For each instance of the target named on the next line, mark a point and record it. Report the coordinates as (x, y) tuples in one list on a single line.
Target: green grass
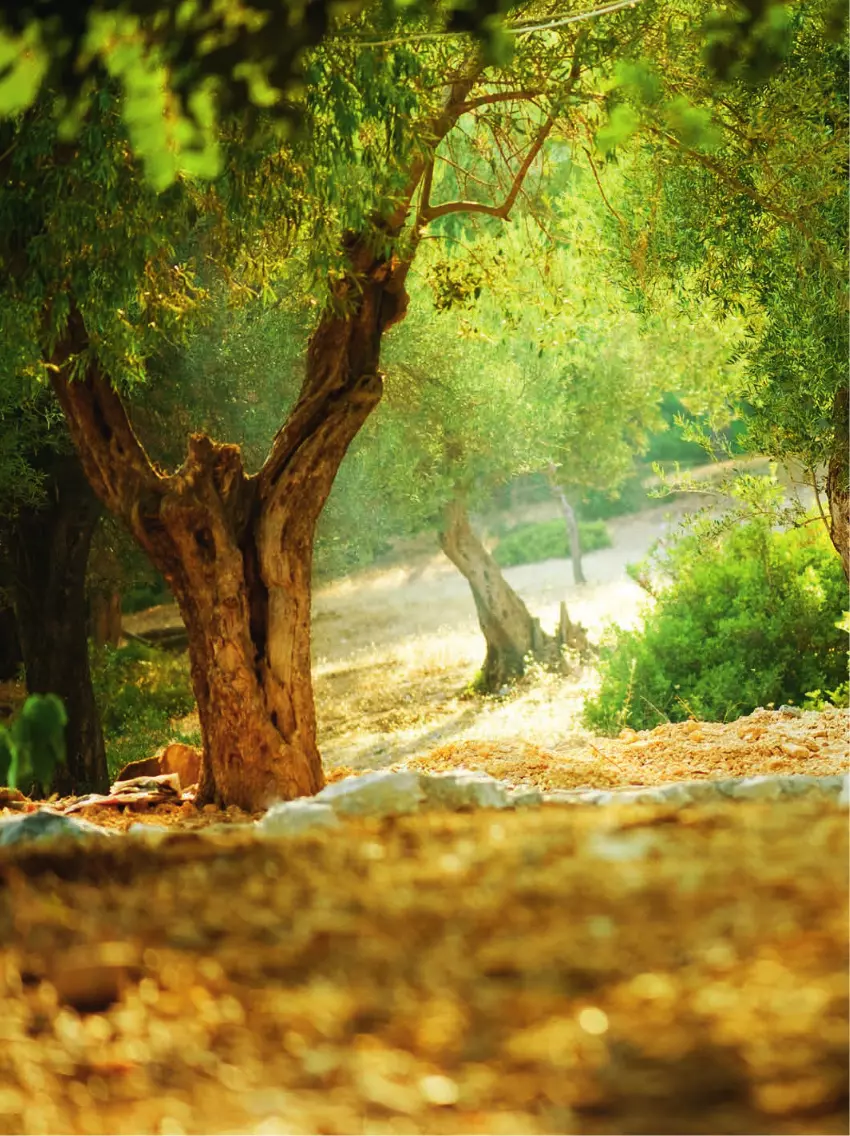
[(546, 540), (139, 691)]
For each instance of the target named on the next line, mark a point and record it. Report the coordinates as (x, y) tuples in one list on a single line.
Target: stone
[(464, 789), (762, 788), (47, 825), (844, 795), (688, 792), (796, 751), (150, 831), (374, 794), (290, 818), (184, 760), (572, 796), (525, 797), (177, 758), (833, 786)]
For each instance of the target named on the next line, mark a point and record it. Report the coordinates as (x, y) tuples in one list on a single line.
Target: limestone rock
[(798, 752), (153, 832), (290, 818), (464, 789), (525, 797), (762, 788), (374, 794), (46, 825), (844, 795)]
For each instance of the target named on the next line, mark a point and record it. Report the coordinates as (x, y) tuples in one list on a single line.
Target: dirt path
[(394, 650)]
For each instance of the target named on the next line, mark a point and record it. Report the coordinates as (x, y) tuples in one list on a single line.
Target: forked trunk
[(50, 546), (237, 550), (838, 480), (510, 630)]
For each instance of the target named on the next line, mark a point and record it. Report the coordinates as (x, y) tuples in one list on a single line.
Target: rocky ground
[(658, 967)]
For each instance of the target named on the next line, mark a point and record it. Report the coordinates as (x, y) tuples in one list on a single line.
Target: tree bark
[(511, 632), (573, 534), (105, 618), (838, 480), (237, 550), (10, 646), (50, 548)]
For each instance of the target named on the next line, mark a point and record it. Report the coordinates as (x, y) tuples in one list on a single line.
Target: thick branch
[(428, 212), (113, 458)]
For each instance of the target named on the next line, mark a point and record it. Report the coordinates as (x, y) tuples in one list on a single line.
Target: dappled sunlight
[(395, 650)]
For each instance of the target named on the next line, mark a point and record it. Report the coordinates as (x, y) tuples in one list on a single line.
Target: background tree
[(743, 187), (547, 365)]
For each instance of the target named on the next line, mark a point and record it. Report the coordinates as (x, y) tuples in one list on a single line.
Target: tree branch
[(429, 212), (499, 97)]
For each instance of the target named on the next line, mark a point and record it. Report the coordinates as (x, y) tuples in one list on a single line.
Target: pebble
[(791, 711), (792, 749)]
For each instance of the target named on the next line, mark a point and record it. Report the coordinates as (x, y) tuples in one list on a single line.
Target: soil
[(625, 969), (566, 969)]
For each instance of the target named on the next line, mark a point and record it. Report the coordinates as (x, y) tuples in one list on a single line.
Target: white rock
[(374, 794), (290, 818), (46, 825), (464, 789), (525, 797), (688, 792), (844, 795), (151, 831), (763, 788), (573, 797)]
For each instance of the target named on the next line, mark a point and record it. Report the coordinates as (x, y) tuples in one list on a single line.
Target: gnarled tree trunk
[(50, 549), (237, 550), (511, 632), (838, 480)]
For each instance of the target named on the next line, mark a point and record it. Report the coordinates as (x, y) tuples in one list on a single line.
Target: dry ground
[(570, 969)]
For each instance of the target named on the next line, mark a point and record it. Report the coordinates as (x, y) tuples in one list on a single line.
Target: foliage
[(35, 744), (747, 618), (140, 690), (547, 540), (757, 221)]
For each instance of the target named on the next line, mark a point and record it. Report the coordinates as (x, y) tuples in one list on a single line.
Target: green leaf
[(621, 125), (7, 757)]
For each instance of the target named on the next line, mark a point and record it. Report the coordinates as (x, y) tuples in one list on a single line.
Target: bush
[(139, 690), (35, 744), (528, 544), (747, 619)]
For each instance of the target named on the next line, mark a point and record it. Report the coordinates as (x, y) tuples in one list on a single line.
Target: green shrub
[(139, 690), (528, 544), (747, 619), (34, 745)]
